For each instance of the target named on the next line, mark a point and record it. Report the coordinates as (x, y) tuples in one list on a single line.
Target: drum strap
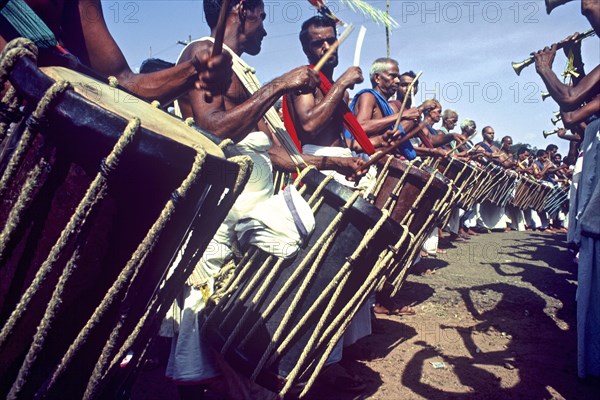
[(247, 76), (297, 219)]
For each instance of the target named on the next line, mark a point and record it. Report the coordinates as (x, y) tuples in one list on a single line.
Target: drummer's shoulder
[(195, 48)]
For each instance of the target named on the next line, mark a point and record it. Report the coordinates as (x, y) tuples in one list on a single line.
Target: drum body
[(504, 183), (90, 231), (463, 176), (279, 320), (418, 198)]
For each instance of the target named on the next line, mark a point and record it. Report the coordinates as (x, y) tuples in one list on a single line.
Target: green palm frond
[(379, 16)]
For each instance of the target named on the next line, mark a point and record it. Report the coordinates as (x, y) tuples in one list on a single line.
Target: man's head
[(551, 149), (384, 76), (247, 17), (506, 143), (432, 109), (317, 35), (468, 127), (405, 80), (449, 119), (522, 153), (488, 134), (542, 155), (557, 159)]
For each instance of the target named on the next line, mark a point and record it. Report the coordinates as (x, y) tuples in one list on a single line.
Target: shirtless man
[(316, 117), (79, 26), (432, 113), (234, 113), (372, 110), (487, 145), (506, 158), (583, 229), (314, 114)]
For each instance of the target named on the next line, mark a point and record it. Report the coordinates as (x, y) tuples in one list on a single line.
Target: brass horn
[(556, 113), (518, 66), (548, 133), (555, 120), (545, 95), (552, 4)]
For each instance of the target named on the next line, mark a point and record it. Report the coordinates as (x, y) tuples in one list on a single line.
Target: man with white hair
[(371, 107)]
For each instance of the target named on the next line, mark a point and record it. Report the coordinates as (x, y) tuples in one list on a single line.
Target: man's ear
[(240, 10)]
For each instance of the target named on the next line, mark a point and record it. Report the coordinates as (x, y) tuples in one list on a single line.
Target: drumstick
[(334, 47), (380, 154), (410, 88), (359, 43), (219, 35)]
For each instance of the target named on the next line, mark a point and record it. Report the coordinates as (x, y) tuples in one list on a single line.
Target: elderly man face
[(450, 122), (388, 80)]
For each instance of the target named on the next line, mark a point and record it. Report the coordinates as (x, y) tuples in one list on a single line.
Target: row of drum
[(98, 196)]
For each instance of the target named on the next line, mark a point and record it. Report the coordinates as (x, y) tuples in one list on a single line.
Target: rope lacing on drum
[(70, 233), (335, 329), (313, 261), (226, 143), (9, 111), (12, 53), (52, 94), (109, 358), (24, 199)]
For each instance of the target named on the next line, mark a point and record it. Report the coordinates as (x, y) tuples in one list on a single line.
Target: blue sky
[(464, 49)]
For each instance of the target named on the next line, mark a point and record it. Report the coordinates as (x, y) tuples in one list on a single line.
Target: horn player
[(580, 104)]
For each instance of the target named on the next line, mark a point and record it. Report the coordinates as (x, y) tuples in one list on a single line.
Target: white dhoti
[(492, 216), (365, 183), (256, 218)]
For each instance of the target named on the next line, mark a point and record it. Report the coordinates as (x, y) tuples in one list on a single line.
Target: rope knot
[(175, 197), (371, 198), (105, 168), (35, 124), (394, 196)]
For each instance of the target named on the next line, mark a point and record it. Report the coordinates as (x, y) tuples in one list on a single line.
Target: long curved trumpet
[(552, 132), (552, 4), (519, 66), (545, 95)]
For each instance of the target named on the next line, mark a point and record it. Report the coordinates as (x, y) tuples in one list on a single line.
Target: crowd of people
[(334, 134)]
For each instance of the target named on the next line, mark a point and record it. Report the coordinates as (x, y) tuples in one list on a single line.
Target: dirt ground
[(496, 314)]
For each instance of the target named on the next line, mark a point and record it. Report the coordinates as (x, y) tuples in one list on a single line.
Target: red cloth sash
[(350, 121)]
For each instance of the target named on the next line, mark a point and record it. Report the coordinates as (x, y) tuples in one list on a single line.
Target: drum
[(98, 192), (463, 176), (555, 199), (531, 193), (277, 320), (504, 183), (415, 197)]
